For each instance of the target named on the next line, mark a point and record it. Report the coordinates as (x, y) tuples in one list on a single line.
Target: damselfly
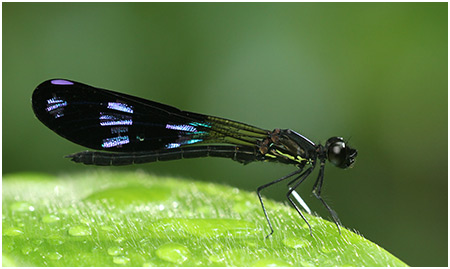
[(132, 130)]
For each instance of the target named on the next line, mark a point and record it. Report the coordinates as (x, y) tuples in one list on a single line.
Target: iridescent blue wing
[(106, 120)]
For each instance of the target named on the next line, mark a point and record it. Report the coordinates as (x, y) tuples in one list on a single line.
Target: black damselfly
[(134, 130)]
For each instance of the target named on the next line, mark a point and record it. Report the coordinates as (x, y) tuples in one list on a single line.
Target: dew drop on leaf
[(54, 256), (173, 252), (27, 250), (121, 260), (114, 251), (55, 240), (79, 231), (294, 242), (12, 231), (22, 207), (50, 218)]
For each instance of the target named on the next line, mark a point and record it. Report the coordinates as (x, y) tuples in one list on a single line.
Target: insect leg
[(297, 196), (317, 188), (300, 179), (260, 188)]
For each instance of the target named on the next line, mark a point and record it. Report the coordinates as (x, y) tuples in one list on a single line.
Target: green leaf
[(135, 219)]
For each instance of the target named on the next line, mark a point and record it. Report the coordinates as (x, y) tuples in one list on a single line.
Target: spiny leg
[(297, 196), (317, 189), (300, 179), (260, 188)]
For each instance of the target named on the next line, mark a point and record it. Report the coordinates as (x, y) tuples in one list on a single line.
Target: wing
[(106, 120)]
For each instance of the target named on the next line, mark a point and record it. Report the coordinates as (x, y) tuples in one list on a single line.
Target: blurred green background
[(372, 72)]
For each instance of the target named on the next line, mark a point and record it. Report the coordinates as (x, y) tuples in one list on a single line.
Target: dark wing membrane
[(106, 120)]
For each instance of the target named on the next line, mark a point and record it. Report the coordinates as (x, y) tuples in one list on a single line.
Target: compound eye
[(337, 153)]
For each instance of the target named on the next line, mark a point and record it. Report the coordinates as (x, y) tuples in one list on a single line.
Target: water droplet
[(27, 250), (121, 260), (294, 242), (271, 262), (79, 231), (50, 218), (22, 207), (114, 251), (119, 240), (54, 256), (12, 231), (55, 240), (173, 252)]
